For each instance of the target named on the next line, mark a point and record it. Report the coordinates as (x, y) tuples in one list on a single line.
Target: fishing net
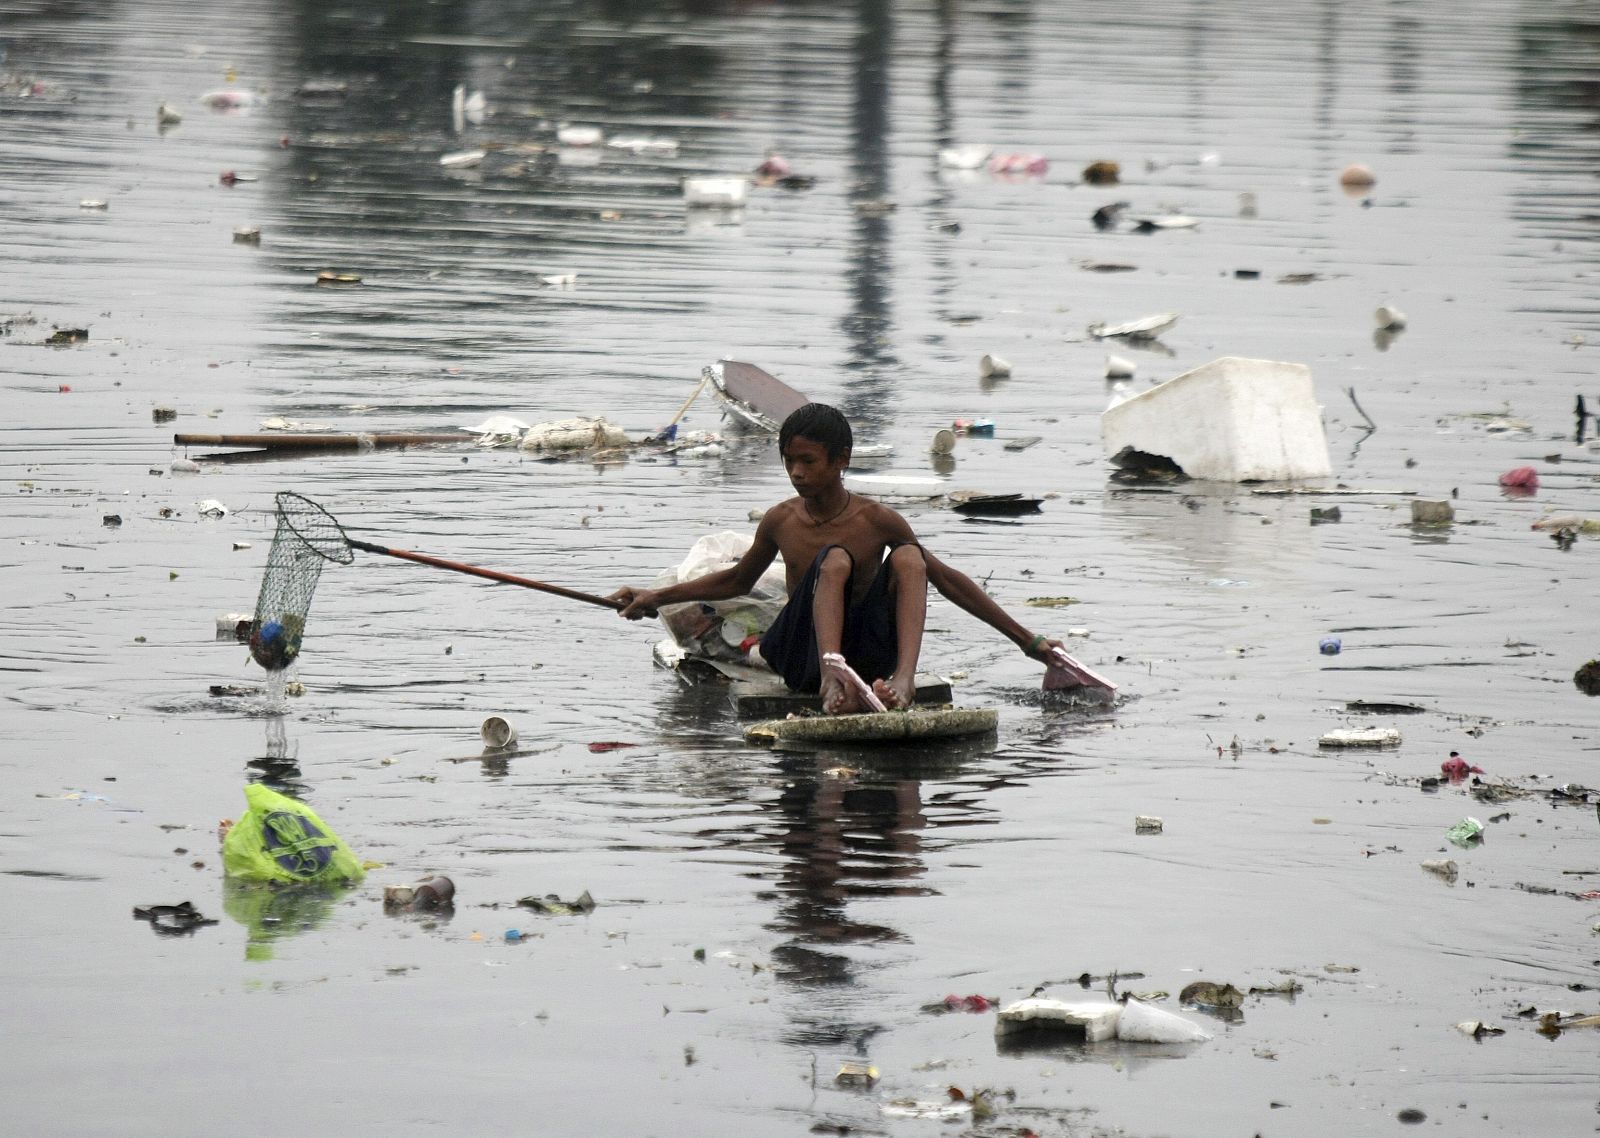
[(308, 538)]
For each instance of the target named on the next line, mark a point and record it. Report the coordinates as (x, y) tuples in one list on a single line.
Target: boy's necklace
[(816, 521)]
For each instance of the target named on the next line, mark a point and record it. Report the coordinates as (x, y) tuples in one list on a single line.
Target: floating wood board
[(997, 505), (919, 723)]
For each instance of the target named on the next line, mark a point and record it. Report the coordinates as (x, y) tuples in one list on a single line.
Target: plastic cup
[(497, 733)]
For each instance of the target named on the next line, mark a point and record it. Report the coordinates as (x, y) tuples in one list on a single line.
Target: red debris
[(228, 178), (65, 387), (1456, 768), (1018, 164), (969, 1003), (1524, 479), (774, 166), (602, 748)]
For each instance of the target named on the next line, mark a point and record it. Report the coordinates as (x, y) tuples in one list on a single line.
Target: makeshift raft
[(875, 727)]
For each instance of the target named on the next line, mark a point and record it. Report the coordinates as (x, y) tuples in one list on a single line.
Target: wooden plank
[(276, 441)]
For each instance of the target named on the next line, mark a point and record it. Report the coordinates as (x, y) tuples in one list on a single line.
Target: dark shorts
[(869, 643)]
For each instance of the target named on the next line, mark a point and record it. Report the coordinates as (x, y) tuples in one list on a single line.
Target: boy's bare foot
[(844, 692), (896, 692), (836, 698)]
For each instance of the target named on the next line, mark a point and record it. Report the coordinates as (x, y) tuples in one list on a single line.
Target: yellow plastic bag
[(283, 841)]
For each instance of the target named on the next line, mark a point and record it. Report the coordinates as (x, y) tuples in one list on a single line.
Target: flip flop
[(848, 674), (1065, 672)]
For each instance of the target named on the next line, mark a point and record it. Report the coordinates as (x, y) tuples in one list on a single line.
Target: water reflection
[(278, 766), (869, 325), (1216, 529), (274, 913)]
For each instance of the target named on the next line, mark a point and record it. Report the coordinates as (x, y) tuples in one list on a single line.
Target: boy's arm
[(956, 586), (722, 585)]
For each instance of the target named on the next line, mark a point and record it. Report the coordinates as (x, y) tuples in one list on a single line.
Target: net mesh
[(308, 538)]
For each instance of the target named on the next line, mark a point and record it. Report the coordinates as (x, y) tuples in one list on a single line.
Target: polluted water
[(763, 918)]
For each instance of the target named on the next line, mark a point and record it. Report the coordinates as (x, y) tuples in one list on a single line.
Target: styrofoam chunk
[(1091, 1022), (714, 193), (1231, 420)]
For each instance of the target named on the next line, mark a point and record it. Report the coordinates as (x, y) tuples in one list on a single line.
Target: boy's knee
[(907, 563), (837, 562), (837, 565)]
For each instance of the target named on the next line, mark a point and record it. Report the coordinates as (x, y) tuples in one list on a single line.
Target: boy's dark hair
[(821, 424)]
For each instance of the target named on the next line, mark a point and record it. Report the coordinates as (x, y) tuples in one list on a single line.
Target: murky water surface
[(829, 910)]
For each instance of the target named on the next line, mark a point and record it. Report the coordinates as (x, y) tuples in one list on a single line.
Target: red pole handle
[(488, 574)]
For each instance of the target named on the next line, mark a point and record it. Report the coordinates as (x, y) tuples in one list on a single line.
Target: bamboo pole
[(277, 441)]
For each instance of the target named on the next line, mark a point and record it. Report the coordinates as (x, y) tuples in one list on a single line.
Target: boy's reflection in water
[(843, 838)]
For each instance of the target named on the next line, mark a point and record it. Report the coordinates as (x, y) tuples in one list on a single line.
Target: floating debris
[(970, 157), (715, 193), (552, 905), (1207, 994), (1361, 737), (1145, 328), (462, 159), (1102, 173), (1164, 221), (181, 919)]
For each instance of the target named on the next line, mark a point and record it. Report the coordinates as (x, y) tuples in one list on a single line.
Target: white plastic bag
[(1141, 1023), (717, 628)]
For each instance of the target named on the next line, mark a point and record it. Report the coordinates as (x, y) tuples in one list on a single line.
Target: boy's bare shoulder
[(782, 513), (883, 522)]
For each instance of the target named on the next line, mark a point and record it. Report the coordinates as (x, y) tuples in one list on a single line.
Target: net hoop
[(314, 527)]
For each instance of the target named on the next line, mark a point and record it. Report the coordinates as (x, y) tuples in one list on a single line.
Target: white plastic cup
[(497, 733)]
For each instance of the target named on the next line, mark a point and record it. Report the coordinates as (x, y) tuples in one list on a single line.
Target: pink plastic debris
[(1066, 672), (1456, 768), (847, 675), (775, 166), (969, 1003), (1018, 164), (1524, 479)]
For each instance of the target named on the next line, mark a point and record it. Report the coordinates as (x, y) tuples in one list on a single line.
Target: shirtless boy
[(857, 578)]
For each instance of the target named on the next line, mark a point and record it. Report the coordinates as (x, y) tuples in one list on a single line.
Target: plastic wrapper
[(1141, 1023), (283, 841)]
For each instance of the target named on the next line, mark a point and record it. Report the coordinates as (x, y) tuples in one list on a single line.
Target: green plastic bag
[(283, 841)]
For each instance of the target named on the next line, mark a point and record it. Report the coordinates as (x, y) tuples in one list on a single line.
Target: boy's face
[(810, 469)]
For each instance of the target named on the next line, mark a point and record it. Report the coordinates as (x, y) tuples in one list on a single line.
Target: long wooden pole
[(489, 574), (326, 442)]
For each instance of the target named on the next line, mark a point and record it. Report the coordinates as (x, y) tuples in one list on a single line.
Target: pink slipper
[(1065, 672), (848, 676)]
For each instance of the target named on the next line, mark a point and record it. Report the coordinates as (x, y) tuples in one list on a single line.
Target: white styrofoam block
[(715, 193), (1231, 420), (1093, 1022)]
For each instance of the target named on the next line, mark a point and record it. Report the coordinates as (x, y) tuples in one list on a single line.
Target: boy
[(858, 580)]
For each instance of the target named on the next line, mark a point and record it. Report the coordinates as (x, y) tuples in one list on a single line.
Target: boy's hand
[(636, 603), (1040, 648)]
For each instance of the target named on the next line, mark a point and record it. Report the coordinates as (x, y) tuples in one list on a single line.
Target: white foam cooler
[(1231, 420)]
